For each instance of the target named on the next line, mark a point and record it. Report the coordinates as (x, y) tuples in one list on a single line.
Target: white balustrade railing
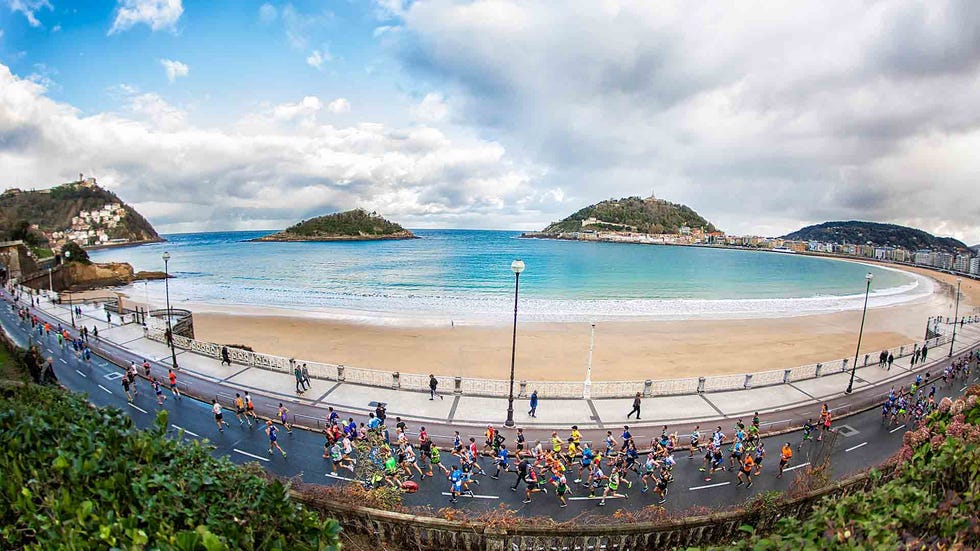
[(522, 389)]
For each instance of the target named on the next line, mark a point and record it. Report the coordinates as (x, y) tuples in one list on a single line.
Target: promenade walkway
[(781, 406)]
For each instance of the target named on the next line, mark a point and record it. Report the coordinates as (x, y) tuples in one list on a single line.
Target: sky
[(500, 114)]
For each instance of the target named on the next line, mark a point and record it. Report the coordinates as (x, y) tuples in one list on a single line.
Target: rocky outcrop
[(110, 274)]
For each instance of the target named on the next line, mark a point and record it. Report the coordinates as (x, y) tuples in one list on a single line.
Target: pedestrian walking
[(298, 375), (636, 407), (433, 384), (306, 376), (533, 412), (225, 357), (891, 360)]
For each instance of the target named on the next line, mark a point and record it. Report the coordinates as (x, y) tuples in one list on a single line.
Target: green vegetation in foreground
[(352, 223), (931, 503), (643, 215), (77, 477), (10, 368)]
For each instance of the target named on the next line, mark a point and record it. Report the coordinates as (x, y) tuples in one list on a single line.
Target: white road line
[(964, 388), (586, 498), (105, 389), (137, 408), (476, 496), (794, 467), (709, 486), (898, 428), (62, 361), (338, 477), (186, 431), (82, 374), (856, 447), (252, 456)]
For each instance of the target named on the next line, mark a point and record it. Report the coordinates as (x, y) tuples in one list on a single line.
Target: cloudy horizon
[(499, 114)]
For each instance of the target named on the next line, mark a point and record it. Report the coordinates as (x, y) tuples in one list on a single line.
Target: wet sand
[(623, 350)]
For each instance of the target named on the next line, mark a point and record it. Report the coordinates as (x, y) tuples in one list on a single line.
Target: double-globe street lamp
[(170, 329), (956, 313), (517, 267), (867, 291)]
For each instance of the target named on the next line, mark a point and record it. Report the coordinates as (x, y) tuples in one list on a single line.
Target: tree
[(72, 251)]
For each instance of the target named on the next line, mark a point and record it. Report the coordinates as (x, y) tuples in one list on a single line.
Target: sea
[(464, 276)]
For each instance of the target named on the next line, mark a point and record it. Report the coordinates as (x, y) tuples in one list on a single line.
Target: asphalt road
[(864, 441)]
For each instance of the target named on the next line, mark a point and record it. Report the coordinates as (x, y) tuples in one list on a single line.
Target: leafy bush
[(78, 477), (931, 503)]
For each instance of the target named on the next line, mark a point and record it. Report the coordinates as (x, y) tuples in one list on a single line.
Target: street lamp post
[(587, 394), (170, 330), (517, 267), (956, 313), (867, 291), (70, 307)]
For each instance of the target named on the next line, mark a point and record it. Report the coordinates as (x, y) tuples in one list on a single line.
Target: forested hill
[(648, 215), (856, 232), (352, 225), (53, 209)]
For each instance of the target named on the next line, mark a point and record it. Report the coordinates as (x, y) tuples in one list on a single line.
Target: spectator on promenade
[(433, 383), (298, 375), (891, 360), (306, 376), (225, 357), (533, 412), (636, 407)]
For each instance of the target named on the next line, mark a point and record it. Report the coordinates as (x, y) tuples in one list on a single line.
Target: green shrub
[(78, 477)]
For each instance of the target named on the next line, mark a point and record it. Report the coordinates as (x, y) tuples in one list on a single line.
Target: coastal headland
[(624, 350)]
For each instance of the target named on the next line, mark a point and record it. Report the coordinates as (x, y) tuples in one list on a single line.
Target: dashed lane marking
[(266, 459), (474, 496), (338, 477), (105, 389), (587, 498), (794, 467), (62, 361), (194, 434), (709, 486), (856, 447), (896, 429), (82, 374), (137, 408)]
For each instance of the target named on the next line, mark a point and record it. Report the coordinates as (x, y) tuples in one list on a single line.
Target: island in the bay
[(631, 217), (351, 225)]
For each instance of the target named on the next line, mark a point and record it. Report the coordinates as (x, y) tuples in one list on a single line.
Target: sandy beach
[(623, 350)]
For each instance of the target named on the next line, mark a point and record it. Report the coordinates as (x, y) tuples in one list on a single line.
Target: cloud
[(316, 58), (279, 167), (156, 14), (788, 108), (29, 9), (339, 106), (267, 13), (432, 108), (174, 69)]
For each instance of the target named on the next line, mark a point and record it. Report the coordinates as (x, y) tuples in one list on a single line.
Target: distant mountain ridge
[(650, 215), (58, 209), (352, 225), (880, 235)]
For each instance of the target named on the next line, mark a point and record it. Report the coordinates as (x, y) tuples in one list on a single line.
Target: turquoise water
[(466, 274)]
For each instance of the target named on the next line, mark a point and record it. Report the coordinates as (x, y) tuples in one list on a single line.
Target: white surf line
[(82, 374), (898, 428), (794, 467), (856, 447), (586, 498), (338, 477), (709, 486), (137, 407), (266, 459), (186, 431), (476, 496), (105, 389)]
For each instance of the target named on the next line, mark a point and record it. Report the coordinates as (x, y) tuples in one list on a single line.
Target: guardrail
[(546, 389)]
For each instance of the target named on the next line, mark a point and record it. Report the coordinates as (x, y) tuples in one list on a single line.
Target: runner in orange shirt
[(785, 455)]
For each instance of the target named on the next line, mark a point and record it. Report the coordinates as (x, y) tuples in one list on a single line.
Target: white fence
[(546, 389)]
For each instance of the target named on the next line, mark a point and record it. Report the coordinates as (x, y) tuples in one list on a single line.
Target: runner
[(502, 461), (146, 367), (283, 418), (784, 456), (218, 417), (612, 487), (759, 455), (746, 470), (586, 463), (531, 481), (271, 430), (240, 410), (807, 433), (250, 408), (455, 483), (561, 488), (435, 459), (695, 440), (125, 385), (158, 391), (173, 384)]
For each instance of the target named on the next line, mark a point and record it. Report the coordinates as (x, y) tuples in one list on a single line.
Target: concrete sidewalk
[(475, 411)]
